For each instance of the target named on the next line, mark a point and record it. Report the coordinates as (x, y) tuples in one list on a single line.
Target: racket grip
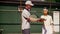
[(40, 20)]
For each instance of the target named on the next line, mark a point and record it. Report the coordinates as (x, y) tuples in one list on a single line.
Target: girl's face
[(45, 12)]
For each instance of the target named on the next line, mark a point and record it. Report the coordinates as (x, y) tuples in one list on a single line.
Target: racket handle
[(40, 20)]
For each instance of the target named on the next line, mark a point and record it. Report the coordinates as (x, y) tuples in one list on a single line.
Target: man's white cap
[(29, 2)]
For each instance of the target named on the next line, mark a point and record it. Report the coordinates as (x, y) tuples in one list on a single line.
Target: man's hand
[(41, 20)]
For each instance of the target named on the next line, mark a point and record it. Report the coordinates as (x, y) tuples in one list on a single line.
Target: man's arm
[(30, 19), (35, 19)]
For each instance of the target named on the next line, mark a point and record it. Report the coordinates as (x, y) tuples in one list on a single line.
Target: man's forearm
[(33, 19), (30, 19)]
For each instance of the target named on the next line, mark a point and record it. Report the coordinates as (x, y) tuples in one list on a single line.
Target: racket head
[(33, 16)]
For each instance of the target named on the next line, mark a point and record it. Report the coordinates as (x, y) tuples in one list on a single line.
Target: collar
[(28, 10)]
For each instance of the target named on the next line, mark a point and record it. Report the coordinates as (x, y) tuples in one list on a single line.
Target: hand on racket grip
[(41, 20)]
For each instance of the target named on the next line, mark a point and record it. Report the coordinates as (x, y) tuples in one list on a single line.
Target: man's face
[(45, 12), (29, 6)]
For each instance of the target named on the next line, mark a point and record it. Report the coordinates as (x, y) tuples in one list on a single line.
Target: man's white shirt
[(25, 23)]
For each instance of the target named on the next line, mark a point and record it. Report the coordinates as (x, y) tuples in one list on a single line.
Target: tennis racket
[(33, 18)]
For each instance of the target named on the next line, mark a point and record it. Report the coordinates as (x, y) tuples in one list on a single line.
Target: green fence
[(10, 20)]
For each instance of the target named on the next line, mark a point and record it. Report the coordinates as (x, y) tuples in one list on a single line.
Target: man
[(26, 18), (48, 23)]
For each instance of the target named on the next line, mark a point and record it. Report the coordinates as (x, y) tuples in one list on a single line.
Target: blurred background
[(10, 18)]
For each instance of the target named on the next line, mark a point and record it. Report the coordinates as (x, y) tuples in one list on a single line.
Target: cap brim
[(32, 4)]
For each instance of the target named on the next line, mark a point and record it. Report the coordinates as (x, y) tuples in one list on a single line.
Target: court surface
[(31, 33)]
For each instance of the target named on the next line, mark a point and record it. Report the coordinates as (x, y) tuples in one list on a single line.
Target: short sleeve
[(25, 14)]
